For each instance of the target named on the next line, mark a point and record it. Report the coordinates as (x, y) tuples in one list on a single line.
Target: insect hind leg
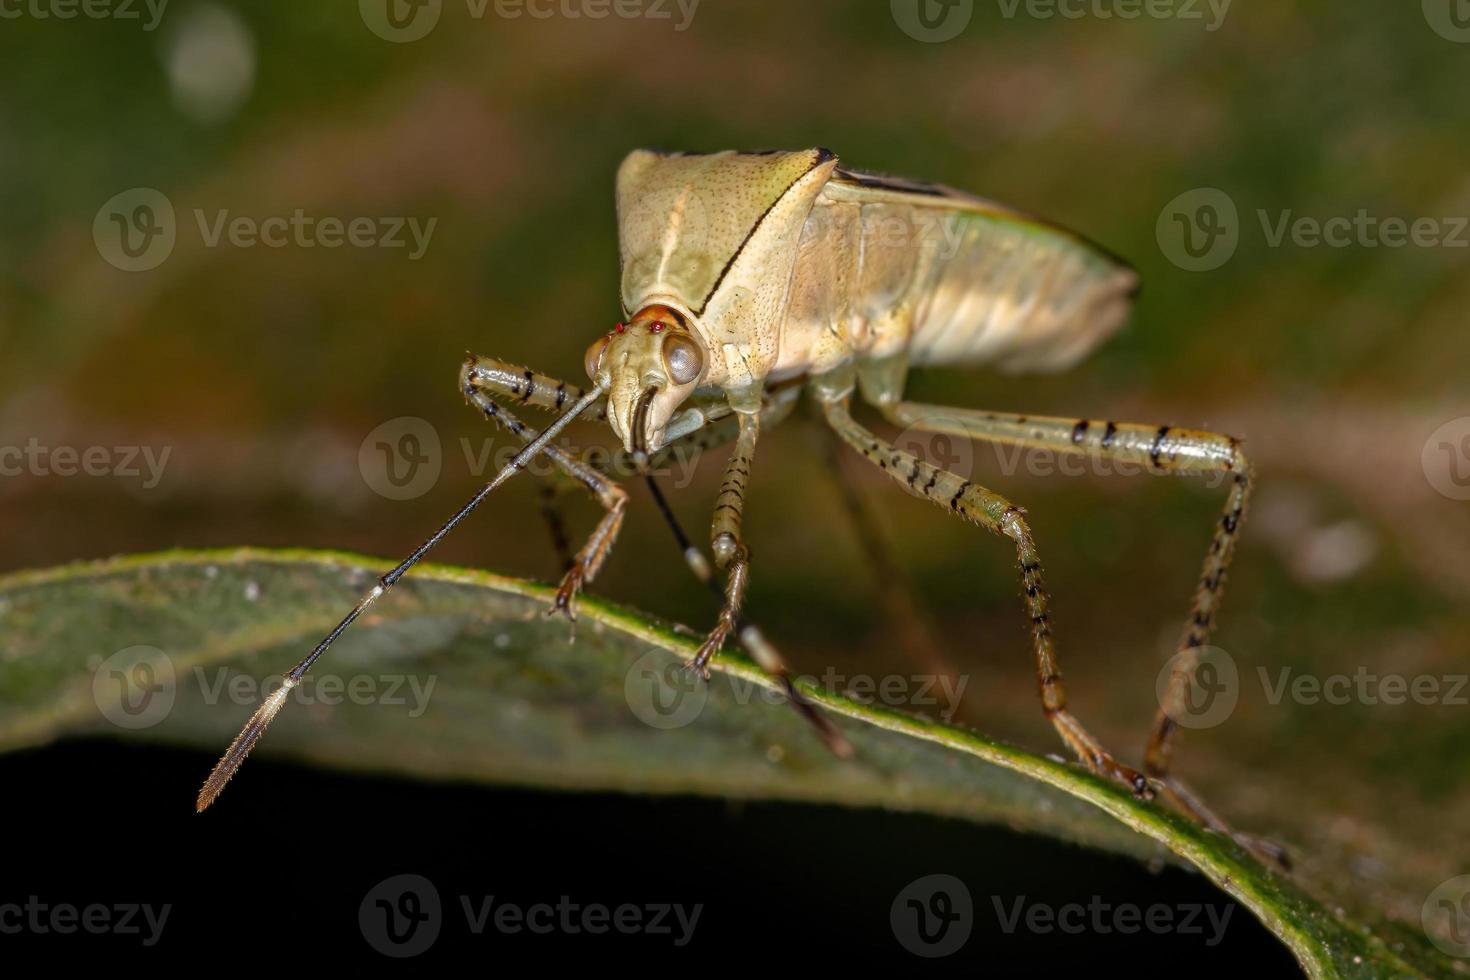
[(1155, 449), (1152, 448), (996, 514)]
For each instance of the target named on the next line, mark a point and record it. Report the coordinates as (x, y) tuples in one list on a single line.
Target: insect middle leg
[(994, 513)]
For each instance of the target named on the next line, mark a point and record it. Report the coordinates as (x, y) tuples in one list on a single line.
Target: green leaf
[(458, 674)]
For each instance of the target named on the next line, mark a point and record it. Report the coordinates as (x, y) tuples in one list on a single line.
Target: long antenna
[(240, 747)]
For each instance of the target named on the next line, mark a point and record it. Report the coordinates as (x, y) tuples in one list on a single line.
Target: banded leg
[(1162, 449), (481, 379), (706, 426), (732, 555), (777, 405), (996, 514), (524, 386)]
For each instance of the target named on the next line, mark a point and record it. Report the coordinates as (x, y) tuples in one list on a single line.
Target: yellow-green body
[(786, 264)]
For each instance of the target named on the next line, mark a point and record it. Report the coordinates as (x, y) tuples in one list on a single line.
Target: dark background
[(264, 369), (277, 877)]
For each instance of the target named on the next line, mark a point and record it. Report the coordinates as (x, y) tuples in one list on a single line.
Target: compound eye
[(593, 357), (684, 360)]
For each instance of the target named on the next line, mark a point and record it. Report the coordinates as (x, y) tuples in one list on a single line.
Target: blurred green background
[(262, 370)]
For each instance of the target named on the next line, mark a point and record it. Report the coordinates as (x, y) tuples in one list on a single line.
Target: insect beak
[(638, 435)]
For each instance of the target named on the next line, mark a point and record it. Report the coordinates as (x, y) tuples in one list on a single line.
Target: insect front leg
[(484, 379), (481, 379), (993, 512)]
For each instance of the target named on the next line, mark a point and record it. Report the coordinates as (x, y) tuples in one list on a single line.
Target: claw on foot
[(565, 601), (707, 650), (1105, 765), (697, 667)]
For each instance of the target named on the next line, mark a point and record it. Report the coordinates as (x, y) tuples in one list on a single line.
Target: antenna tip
[(241, 746)]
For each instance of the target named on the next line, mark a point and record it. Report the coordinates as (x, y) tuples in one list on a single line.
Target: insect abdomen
[(1016, 296), (951, 278)]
